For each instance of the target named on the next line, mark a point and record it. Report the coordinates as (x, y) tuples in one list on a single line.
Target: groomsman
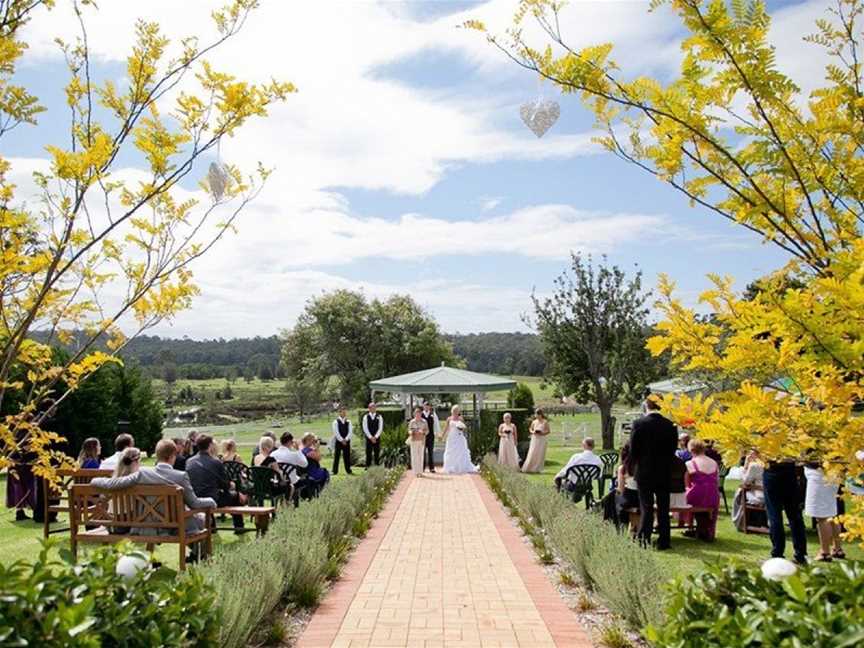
[(431, 419), (342, 433), (373, 426)]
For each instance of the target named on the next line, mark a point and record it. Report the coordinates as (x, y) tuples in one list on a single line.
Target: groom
[(431, 419)]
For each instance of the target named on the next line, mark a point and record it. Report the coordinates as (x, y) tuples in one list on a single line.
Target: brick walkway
[(443, 567)]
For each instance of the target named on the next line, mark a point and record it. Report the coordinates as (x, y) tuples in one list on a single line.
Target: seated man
[(586, 457), (209, 478), (122, 442), (162, 475)]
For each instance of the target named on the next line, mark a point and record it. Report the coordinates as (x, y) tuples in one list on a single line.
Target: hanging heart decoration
[(218, 179), (539, 115)]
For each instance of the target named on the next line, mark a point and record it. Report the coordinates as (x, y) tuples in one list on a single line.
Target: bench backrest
[(55, 498), (139, 507)]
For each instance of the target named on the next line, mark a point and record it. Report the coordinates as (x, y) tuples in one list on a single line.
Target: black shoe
[(431, 470), (800, 560), (20, 515)]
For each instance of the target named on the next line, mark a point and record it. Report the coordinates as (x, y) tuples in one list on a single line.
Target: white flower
[(777, 569), (128, 566)]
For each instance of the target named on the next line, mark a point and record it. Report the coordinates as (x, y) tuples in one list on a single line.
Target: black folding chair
[(610, 463), (579, 482)]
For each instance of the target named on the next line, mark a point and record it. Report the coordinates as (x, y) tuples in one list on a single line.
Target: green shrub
[(301, 551), (736, 606), (56, 603), (605, 560), (521, 397)]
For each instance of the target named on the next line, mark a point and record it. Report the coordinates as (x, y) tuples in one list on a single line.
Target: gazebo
[(442, 380)]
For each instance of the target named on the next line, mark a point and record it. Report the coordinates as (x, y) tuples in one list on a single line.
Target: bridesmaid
[(508, 438), (539, 430)]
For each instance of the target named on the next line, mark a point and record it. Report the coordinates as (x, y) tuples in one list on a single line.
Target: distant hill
[(500, 353)]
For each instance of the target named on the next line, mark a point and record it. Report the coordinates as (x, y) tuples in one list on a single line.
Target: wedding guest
[(209, 478), (782, 495), (180, 459), (508, 438), (265, 459), (417, 431), (256, 450), (373, 426), (122, 442), (627, 491), (88, 458), (315, 473), (289, 453), (229, 451), (652, 450), (712, 453), (343, 430), (683, 451), (20, 480), (191, 443), (128, 472), (703, 490), (434, 427), (539, 431), (586, 457), (750, 491), (820, 503)]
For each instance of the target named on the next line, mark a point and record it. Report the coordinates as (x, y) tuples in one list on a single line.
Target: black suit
[(652, 447)]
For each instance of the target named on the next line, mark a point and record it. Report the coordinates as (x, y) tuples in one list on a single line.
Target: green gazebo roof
[(442, 380)]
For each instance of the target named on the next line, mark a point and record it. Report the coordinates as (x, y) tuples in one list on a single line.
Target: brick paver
[(443, 567)]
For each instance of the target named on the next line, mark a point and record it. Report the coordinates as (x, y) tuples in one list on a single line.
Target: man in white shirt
[(586, 457), (122, 442), (288, 453), (373, 426), (342, 432), (434, 426)]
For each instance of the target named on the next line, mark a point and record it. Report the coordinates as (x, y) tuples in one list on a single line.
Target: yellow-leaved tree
[(785, 360), (102, 242)]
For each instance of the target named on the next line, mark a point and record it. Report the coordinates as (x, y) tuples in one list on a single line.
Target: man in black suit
[(209, 478), (653, 442)]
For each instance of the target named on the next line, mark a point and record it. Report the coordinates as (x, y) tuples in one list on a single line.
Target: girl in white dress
[(457, 457), (820, 503)]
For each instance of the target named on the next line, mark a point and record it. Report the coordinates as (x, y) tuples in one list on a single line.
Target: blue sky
[(402, 165)]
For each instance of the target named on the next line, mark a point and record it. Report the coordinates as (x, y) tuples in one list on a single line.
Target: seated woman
[(265, 459), (88, 459), (627, 495), (750, 492), (314, 473), (703, 489), (229, 451)]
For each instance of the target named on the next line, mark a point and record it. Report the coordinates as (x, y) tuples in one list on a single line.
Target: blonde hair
[(507, 415), (266, 443), (455, 410), (228, 445), (129, 458), (696, 446), (308, 438)]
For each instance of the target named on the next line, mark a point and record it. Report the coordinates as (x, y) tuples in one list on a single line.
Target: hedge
[(627, 577), (302, 549)]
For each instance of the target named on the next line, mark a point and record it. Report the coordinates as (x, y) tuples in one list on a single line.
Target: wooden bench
[(147, 515), (636, 515), (55, 499), (261, 515)]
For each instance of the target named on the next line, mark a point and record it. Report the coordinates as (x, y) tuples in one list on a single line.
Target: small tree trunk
[(607, 425)]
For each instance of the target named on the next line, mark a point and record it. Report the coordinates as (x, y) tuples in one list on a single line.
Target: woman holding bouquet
[(417, 430), (507, 435), (539, 430), (457, 457)]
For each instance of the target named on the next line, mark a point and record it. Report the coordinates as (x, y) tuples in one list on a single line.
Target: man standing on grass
[(342, 432), (653, 442), (373, 426)]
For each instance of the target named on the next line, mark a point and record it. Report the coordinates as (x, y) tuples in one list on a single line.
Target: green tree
[(521, 397), (344, 335), (593, 332)]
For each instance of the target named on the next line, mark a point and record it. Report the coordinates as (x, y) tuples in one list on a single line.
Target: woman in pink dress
[(703, 489)]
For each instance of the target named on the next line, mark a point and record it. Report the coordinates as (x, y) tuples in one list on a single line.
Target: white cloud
[(488, 203)]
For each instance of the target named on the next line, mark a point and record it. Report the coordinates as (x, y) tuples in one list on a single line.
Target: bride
[(457, 457)]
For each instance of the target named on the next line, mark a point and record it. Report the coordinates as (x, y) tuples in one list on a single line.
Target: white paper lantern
[(129, 566), (539, 115), (218, 179), (777, 569)]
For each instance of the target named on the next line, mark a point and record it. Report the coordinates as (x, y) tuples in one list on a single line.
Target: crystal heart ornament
[(539, 115)]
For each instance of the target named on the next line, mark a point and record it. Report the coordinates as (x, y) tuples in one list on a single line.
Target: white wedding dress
[(457, 457)]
